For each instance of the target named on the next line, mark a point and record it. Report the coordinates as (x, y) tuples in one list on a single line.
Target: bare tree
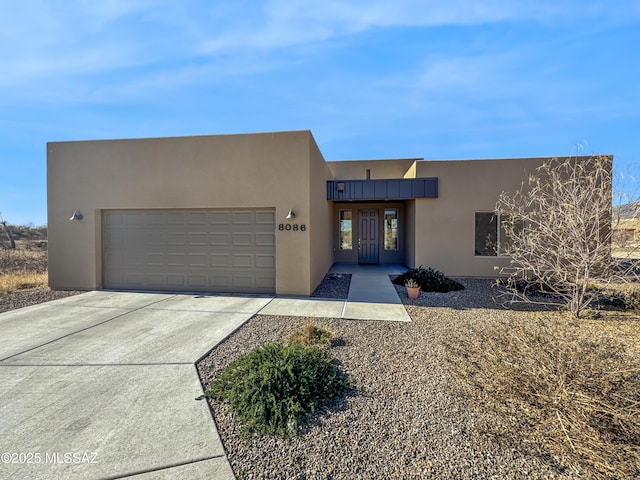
[(12, 241), (558, 227)]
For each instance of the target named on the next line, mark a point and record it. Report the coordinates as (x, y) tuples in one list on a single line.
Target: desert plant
[(429, 280), (558, 228), (411, 283), (312, 334), (275, 388)]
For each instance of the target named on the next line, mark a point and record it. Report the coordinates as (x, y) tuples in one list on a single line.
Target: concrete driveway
[(103, 385)]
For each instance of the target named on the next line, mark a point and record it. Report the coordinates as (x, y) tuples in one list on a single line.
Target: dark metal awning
[(391, 189)]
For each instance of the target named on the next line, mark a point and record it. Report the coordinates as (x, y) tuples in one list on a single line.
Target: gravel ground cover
[(407, 417), (334, 285)]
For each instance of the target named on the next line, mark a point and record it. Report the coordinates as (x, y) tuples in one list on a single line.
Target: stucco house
[(262, 213)]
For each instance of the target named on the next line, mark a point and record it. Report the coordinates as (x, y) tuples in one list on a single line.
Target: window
[(491, 236), (391, 229), (346, 229)]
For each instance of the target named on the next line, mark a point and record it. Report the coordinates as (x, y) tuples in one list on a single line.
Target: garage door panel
[(154, 238), (155, 259), (134, 237), (265, 239), (265, 261), (135, 259), (176, 218), (219, 260), (242, 260), (134, 279), (198, 260), (266, 217), (219, 239), (214, 250), (175, 259), (220, 281), (176, 239), (265, 282), (113, 218), (242, 239), (153, 280), (176, 281), (240, 218), (154, 219), (114, 238), (198, 239), (220, 218), (134, 219), (199, 218), (114, 258), (242, 282)]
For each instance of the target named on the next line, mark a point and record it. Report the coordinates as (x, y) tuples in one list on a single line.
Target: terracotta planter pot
[(413, 292)]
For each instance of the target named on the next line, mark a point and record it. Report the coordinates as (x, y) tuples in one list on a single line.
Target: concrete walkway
[(102, 385), (372, 296)]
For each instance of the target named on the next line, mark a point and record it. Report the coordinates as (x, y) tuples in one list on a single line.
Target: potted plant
[(413, 289)]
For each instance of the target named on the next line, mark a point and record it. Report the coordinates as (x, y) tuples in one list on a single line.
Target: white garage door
[(190, 250)]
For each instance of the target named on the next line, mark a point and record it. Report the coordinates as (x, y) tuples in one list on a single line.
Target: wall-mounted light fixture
[(291, 215), (76, 217)]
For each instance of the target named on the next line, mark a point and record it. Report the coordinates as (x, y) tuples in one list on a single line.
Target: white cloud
[(50, 46), (49, 40), (283, 23)]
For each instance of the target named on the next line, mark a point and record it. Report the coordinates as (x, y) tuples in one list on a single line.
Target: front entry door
[(368, 240)]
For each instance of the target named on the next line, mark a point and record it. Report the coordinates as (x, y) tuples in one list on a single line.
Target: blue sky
[(371, 79)]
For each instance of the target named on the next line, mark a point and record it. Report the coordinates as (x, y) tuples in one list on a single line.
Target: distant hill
[(627, 211)]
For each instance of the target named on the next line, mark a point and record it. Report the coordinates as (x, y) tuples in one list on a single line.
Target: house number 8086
[(292, 227)]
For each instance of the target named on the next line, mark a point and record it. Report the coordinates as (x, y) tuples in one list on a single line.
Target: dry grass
[(26, 258), (572, 387), (24, 267), (311, 334), (22, 281)]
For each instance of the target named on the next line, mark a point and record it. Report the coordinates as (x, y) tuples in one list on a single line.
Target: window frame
[(499, 242), (397, 229), (340, 230)]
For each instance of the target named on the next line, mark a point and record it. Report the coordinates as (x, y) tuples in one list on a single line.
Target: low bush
[(312, 334), (275, 388), (429, 280)]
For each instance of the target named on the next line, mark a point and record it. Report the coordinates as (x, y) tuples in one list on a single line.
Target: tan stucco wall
[(321, 221), (445, 226), (410, 233), (283, 170), (222, 171), (380, 169)]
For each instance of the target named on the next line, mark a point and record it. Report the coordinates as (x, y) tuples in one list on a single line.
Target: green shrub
[(275, 388), (429, 280)]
